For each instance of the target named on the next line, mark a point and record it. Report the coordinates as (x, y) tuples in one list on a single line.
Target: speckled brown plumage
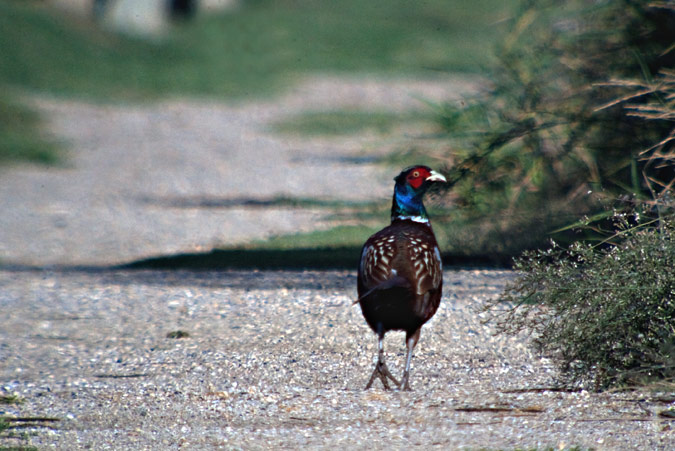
[(400, 278)]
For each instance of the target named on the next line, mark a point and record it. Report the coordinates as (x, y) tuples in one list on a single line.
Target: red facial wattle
[(417, 176)]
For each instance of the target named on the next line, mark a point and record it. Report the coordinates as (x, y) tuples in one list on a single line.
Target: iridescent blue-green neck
[(407, 204)]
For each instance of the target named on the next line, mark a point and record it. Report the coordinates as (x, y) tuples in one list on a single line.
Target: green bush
[(605, 316), (577, 115)]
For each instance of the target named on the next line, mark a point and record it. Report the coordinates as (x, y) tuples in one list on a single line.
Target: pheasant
[(400, 276)]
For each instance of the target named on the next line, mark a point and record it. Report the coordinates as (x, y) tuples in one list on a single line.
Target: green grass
[(350, 122), (251, 51), (254, 51), (337, 247), (11, 399), (18, 137), (11, 430), (178, 334), (339, 236), (340, 245)]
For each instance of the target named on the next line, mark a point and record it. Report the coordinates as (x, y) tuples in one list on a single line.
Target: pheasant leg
[(411, 342), (381, 371)]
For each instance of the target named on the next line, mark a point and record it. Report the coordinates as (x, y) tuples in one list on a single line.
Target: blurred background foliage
[(21, 137), (250, 51), (254, 50), (581, 124), (579, 116)]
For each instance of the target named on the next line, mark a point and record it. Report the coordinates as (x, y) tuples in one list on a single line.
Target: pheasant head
[(411, 184)]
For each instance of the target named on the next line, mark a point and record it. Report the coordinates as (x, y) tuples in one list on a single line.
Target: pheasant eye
[(416, 174)]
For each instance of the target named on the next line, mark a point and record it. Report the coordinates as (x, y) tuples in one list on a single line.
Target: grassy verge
[(253, 51), (339, 236), (338, 247), (248, 52), (19, 135), (349, 122)]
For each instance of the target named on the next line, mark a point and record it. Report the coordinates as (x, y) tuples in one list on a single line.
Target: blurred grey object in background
[(142, 18), (146, 18)]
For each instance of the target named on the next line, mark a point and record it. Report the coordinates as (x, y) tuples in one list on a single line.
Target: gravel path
[(279, 360), (137, 177)]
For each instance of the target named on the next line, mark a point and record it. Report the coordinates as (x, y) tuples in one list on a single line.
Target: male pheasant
[(400, 275)]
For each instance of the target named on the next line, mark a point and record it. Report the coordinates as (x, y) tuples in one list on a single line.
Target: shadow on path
[(346, 257), (263, 259), (253, 268)]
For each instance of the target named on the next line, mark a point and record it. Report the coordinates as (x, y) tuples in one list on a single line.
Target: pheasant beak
[(435, 177)]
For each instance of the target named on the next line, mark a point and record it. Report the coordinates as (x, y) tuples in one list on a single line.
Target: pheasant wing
[(375, 268)]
